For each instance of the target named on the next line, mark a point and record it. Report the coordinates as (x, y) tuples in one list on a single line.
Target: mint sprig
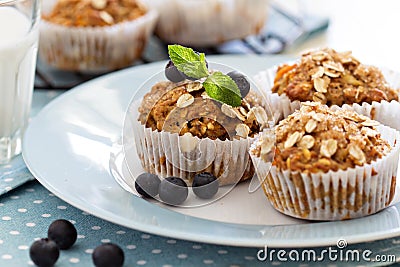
[(222, 88), (189, 62), (218, 86)]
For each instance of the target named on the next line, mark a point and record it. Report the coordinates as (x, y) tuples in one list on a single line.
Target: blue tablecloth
[(27, 209)]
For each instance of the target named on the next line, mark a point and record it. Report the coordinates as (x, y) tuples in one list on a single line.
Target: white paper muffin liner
[(168, 154), (387, 113), (208, 22), (335, 195), (95, 49)]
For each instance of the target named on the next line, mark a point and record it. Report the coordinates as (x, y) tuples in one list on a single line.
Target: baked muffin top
[(332, 78), (185, 107), (94, 13), (317, 138)]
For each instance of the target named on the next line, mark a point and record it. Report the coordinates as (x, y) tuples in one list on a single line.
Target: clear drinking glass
[(19, 33)]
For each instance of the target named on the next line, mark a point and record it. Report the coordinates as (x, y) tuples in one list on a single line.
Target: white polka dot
[(22, 210), (46, 215), (141, 262), (182, 256), (23, 247), (7, 180), (8, 188), (72, 221), (14, 197), (14, 232), (1, 242), (276, 263), (120, 232), (30, 190), (6, 218), (96, 227), (30, 224), (30, 263), (171, 241), (208, 261), (38, 201), (61, 207), (81, 236), (249, 258), (156, 251), (131, 247), (89, 251), (105, 241), (6, 257), (167, 265), (222, 252), (51, 195), (74, 260), (196, 247), (1, 204), (37, 238), (145, 236)]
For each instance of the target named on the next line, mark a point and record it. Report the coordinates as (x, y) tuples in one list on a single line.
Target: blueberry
[(205, 185), (147, 185), (173, 74), (173, 191), (241, 81), (44, 252), (63, 233), (108, 255)]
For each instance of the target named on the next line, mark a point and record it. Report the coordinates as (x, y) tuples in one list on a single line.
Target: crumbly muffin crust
[(332, 78), (185, 108), (317, 138), (94, 13)]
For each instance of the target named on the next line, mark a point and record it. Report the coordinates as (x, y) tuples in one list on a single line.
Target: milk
[(18, 49)]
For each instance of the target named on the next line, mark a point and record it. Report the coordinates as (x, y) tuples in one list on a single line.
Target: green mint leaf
[(188, 61), (221, 87)]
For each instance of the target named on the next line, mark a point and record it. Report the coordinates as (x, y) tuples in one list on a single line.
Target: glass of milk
[(18, 49)]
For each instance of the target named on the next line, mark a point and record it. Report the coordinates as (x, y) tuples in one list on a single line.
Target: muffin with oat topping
[(334, 78), (94, 35), (329, 164), (197, 124), (181, 130), (208, 22)]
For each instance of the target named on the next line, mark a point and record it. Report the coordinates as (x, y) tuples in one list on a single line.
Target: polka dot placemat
[(26, 213)]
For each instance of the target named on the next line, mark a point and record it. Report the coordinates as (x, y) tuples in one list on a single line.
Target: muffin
[(94, 36), (208, 22), (333, 78), (181, 130), (329, 164)]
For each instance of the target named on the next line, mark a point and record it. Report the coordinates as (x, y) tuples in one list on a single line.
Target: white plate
[(67, 148)]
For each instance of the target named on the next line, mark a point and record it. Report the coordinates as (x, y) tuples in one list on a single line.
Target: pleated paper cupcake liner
[(335, 195), (95, 49), (168, 154)]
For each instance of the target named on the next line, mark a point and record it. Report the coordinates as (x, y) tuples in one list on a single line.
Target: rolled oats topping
[(93, 13), (182, 108), (343, 139), (185, 100), (332, 78)]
